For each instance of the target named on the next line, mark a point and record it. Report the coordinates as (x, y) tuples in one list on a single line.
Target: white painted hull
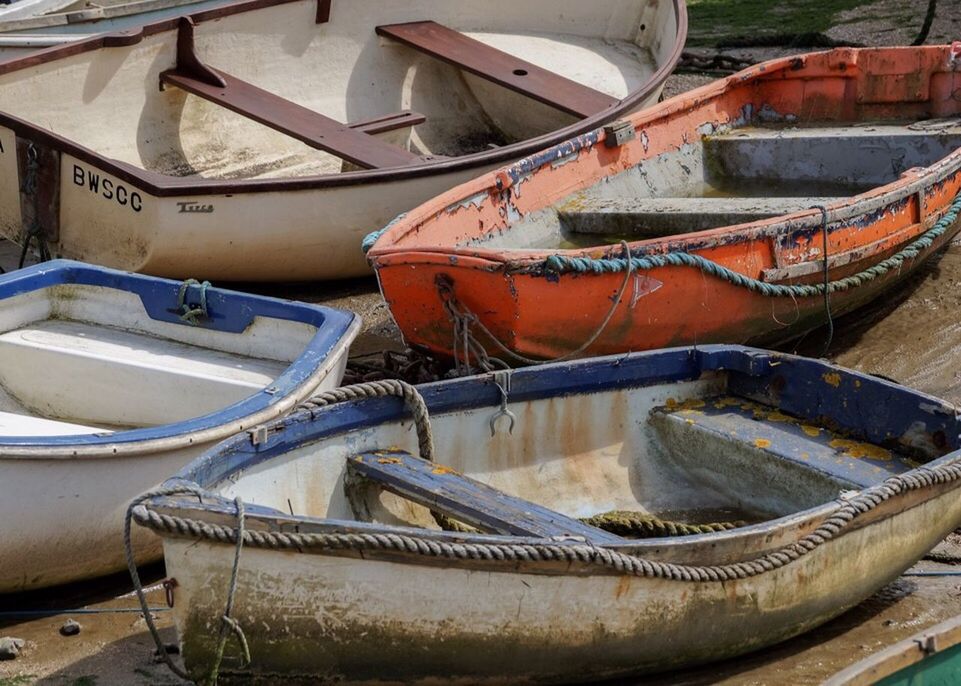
[(63, 518), (164, 182), (367, 621), (101, 400), (370, 594)]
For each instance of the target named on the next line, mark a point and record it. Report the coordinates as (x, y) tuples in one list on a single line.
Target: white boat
[(799, 489), (110, 382), (30, 25), (271, 136)]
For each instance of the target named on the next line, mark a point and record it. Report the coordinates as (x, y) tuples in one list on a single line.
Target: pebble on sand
[(70, 628), (10, 647)]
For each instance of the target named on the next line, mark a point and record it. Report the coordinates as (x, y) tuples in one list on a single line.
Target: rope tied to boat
[(467, 343), (412, 398), (34, 232), (192, 314), (228, 625), (850, 508), (564, 264)]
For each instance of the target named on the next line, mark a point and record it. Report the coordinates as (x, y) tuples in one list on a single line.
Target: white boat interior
[(281, 91), (77, 359), (716, 449)]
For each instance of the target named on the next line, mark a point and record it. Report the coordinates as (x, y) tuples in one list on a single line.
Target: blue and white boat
[(572, 522), (110, 382)]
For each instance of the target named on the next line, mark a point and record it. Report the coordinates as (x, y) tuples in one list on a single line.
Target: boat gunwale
[(315, 362), (395, 243), (901, 655), (163, 185), (119, 10), (222, 463)]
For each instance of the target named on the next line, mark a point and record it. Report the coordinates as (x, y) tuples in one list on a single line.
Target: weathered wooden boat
[(930, 658), (716, 216), (799, 483), (110, 382), (270, 136), (30, 25)]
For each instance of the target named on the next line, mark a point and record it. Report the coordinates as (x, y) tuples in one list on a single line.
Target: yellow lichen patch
[(388, 460), (689, 421), (813, 431), (857, 449), (721, 403), (805, 456), (441, 469), (762, 443), (670, 403), (776, 416), (832, 379)]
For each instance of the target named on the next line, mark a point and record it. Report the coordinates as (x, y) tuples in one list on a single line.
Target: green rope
[(640, 525), (188, 313), (560, 264), (625, 523)]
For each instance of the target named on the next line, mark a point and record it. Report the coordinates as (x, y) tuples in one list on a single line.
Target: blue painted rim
[(230, 311), (854, 394)]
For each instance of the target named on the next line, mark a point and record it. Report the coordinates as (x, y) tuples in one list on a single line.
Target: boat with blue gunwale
[(110, 382), (575, 521)]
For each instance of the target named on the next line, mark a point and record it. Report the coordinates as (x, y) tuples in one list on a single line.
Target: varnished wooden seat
[(353, 143), (499, 67)]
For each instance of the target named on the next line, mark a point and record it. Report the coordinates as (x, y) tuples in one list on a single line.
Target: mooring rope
[(851, 508), (562, 264), (463, 319), (188, 313)]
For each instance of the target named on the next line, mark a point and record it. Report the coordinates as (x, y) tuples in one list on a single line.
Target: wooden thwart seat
[(652, 217), (442, 489), (863, 155), (499, 67), (740, 430), (280, 114)]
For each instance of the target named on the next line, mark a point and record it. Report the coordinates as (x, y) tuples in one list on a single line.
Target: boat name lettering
[(194, 207), (107, 188)]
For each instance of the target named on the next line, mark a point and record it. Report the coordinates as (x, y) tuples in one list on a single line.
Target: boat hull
[(106, 391), (240, 189), (537, 310), (354, 620)]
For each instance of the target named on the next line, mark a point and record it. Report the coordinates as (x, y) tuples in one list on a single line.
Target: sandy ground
[(910, 337)]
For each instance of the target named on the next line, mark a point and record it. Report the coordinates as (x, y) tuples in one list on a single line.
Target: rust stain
[(623, 586), (857, 449)]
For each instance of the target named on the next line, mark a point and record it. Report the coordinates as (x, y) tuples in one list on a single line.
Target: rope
[(378, 389), (827, 280), (418, 408), (850, 508), (928, 21), (463, 319), (229, 625), (561, 264), (192, 314), (639, 525), (368, 242), (135, 575), (34, 233)]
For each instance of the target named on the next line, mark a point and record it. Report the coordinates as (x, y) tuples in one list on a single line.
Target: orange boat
[(749, 210)]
